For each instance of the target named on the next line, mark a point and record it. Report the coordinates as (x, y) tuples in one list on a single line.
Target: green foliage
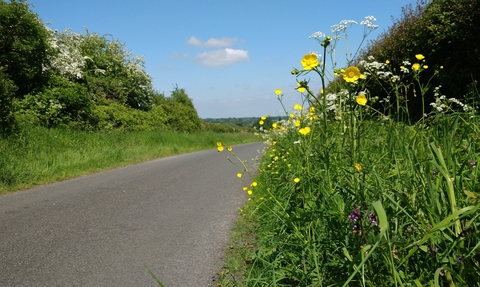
[(105, 66), (7, 92), (62, 102), (446, 33), (24, 46), (37, 155), (24, 53), (349, 196), (111, 115), (180, 112)]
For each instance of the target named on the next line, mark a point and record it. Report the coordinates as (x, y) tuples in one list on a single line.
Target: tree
[(24, 46)]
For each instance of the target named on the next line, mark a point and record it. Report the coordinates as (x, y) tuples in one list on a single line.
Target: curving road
[(172, 215)]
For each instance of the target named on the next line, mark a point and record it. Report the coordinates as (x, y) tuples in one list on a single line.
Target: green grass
[(37, 156), (419, 182)]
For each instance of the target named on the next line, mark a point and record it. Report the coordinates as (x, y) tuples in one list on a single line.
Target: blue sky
[(229, 56)]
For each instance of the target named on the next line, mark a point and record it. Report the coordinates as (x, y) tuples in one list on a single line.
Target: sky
[(229, 56)]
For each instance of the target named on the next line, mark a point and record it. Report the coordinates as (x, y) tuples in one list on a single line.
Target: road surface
[(172, 215)]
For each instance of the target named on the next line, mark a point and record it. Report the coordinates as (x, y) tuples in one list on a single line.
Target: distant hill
[(243, 122)]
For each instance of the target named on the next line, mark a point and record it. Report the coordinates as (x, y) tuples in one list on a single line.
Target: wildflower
[(297, 123), (278, 92), (296, 180), (300, 88), (261, 122), (254, 183), (311, 110), (220, 148), (358, 167), (472, 163), (229, 148), (425, 66), (304, 131), (263, 118), (361, 99), (239, 175), (274, 125), (219, 143), (387, 62), (416, 66), (249, 192), (372, 219), (351, 74), (354, 217), (292, 116), (245, 188), (297, 107), (419, 57), (309, 61)]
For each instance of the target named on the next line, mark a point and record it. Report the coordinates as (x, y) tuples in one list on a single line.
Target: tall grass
[(39, 155), (349, 196)]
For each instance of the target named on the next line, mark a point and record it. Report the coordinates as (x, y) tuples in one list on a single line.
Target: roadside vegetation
[(73, 104), (373, 180)]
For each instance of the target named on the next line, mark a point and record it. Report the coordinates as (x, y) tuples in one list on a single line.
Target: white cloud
[(222, 57), (212, 42)]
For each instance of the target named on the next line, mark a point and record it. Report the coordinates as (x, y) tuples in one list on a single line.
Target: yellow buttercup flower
[(309, 61), (229, 148), (274, 125), (263, 118), (249, 192), (387, 62), (297, 123), (304, 131), (254, 183), (278, 92), (220, 148), (296, 180), (351, 74), (358, 167), (300, 89), (261, 122), (361, 99), (416, 66), (425, 66), (297, 107), (239, 175), (292, 116), (219, 143), (419, 57)]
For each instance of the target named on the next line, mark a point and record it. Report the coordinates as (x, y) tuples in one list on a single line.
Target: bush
[(61, 103), (110, 115), (446, 32), (7, 92)]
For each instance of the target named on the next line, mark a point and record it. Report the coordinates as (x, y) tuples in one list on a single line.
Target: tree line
[(85, 81)]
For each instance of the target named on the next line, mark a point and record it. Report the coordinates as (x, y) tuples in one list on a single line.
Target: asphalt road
[(172, 215)]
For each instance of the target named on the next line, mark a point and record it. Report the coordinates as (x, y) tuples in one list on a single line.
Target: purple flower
[(472, 163), (373, 219), (355, 215)]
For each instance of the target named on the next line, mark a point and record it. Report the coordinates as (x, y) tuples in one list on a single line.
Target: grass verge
[(37, 155)]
